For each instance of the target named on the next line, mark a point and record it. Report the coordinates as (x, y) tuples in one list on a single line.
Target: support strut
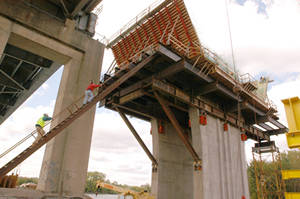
[(138, 138), (179, 130)]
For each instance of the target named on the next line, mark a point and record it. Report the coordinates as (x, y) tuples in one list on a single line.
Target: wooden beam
[(172, 23), (131, 96), (153, 32)]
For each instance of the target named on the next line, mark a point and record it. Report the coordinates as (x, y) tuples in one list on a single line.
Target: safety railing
[(197, 50), (245, 78), (136, 19), (248, 82)]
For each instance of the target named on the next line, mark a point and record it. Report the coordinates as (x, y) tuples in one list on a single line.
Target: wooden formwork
[(170, 16)]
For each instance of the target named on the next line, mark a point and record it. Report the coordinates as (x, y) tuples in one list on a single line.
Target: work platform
[(184, 85), (186, 73)]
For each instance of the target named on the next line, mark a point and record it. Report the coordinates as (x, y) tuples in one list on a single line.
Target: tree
[(91, 181), (22, 180)]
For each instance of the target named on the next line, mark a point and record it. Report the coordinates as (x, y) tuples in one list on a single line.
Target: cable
[(230, 36)]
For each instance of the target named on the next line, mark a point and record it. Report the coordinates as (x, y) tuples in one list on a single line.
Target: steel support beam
[(208, 88), (178, 128), (131, 96), (65, 8), (265, 126), (171, 70), (9, 81), (133, 112), (79, 7), (210, 109), (6, 101), (266, 118), (169, 54), (138, 138), (16, 69), (93, 4), (277, 131)]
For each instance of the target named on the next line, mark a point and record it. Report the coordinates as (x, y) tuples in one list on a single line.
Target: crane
[(127, 193)]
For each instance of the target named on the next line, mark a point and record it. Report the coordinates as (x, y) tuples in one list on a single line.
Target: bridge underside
[(21, 73)]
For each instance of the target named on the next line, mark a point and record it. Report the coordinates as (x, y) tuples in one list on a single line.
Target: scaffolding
[(267, 170), (168, 23)]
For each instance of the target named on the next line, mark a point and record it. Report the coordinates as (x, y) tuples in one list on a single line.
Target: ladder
[(106, 90)]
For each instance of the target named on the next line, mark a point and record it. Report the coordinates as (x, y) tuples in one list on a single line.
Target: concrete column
[(224, 173), (175, 166), (5, 31), (66, 157)]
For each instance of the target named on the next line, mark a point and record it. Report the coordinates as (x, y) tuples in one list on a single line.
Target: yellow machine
[(128, 194), (292, 111)]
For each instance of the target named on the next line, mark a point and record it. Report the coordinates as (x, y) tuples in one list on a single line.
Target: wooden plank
[(131, 96)]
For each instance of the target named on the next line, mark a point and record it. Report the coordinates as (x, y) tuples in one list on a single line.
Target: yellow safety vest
[(41, 122)]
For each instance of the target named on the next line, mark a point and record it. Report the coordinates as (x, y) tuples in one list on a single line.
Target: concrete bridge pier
[(224, 169), (65, 162), (173, 179), (66, 157)]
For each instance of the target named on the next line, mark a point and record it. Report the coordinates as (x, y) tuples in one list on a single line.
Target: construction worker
[(40, 125), (89, 91)]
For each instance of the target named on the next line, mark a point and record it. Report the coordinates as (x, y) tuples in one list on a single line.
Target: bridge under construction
[(201, 110)]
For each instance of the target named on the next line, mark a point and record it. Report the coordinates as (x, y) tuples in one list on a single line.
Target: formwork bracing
[(267, 170)]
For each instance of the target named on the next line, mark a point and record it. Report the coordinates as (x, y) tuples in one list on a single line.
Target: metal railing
[(136, 19), (61, 116)]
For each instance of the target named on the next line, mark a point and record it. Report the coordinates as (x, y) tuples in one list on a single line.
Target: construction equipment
[(127, 193), (292, 111), (269, 184), (8, 181)]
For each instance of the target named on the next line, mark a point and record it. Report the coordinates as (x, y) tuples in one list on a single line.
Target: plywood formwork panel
[(155, 28)]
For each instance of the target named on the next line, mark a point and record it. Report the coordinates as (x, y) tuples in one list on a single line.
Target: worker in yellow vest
[(40, 125)]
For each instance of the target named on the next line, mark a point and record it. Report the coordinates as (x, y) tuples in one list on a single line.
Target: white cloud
[(116, 152), (262, 43), (20, 124), (45, 86)]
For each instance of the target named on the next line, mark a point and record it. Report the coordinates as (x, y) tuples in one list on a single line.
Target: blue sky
[(260, 47), (261, 6)]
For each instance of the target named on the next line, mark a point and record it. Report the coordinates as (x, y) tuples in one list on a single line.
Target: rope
[(230, 37)]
